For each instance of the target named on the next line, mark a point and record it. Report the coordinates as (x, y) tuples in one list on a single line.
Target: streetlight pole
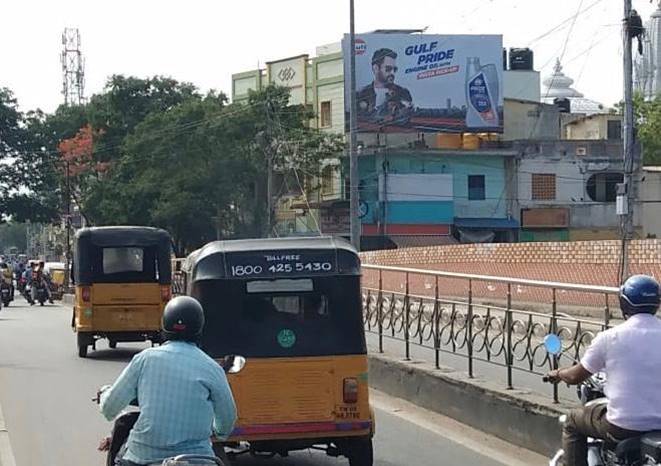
[(353, 156)]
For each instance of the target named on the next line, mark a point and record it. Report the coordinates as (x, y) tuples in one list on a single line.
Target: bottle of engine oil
[(481, 103)]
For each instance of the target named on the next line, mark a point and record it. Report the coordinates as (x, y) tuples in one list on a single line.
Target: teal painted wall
[(492, 167)]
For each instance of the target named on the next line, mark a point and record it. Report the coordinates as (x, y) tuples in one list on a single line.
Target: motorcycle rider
[(40, 280), (183, 394), (7, 277), (630, 356)]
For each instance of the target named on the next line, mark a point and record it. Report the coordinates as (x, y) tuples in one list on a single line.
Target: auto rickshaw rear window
[(118, 260), (124, 264), (322, 322)]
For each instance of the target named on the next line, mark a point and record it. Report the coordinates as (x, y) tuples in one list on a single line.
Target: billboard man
[(383, 98)]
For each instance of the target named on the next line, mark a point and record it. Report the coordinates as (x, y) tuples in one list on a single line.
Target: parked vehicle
[(638, 451)]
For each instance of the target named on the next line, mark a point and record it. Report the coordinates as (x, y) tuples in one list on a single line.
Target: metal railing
[(475, 317)]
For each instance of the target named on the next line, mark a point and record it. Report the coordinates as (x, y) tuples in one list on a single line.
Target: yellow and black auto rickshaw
[(292, 308), (122, 278)]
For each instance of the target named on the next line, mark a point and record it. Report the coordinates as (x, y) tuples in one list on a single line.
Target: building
[(650, 205), (647, 67), (551, 175), (437, 196), (566, 190), (601, 126), (559, 91)]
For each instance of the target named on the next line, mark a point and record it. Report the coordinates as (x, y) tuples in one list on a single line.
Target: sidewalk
[(6, 454)]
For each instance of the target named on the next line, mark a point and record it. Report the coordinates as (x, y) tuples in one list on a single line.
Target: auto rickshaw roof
[(278, 244), (340, 252), (123, 235)]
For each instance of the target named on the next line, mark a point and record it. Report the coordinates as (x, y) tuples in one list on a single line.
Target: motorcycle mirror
[(238, 364), (553, 344)]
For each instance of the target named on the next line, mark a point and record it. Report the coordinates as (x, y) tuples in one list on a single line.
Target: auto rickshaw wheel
[(83, 343), (112, 344), (360, 452)]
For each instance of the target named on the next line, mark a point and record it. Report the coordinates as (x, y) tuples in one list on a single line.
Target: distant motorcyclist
[(40, 281), (183, 394), (630, 356), (7, 277)]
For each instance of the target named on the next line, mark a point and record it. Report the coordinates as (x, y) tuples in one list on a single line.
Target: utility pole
[(268, 151), (67, 224), (353, 127), (627, 192)]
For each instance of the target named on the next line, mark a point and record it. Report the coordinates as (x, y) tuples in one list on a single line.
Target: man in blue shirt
[(183, 394)]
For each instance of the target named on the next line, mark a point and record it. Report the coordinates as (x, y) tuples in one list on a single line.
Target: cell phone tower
[(73, 68)]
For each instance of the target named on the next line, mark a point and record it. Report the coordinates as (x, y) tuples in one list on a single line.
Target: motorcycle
[(27, 293), (6, 293), (42, 294), (115, 445), (638, 451)]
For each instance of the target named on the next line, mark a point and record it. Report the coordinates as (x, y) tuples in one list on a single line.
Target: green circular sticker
[(286, 338)]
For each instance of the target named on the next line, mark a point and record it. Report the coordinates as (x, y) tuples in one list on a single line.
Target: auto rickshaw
[(122, 281), (55, 272), (292, 308)]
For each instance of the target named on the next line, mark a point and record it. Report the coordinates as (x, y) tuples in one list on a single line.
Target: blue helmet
[(640, 294)]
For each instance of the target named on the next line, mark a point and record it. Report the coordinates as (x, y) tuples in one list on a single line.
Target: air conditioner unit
[(581, 150)]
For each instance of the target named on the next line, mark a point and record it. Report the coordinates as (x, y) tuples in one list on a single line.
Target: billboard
[(423, 82), (291, 73)]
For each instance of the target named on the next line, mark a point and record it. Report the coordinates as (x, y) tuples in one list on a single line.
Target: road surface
[(46, 391)]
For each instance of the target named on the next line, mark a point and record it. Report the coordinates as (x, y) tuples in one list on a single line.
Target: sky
[(205, 41)]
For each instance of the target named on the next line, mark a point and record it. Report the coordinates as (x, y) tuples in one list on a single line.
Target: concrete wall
[(642, 252), (521, 85), (582, 262), (651, 205), (591, 127), (573, 163), (495, 204), (530, 120), (516, 416)]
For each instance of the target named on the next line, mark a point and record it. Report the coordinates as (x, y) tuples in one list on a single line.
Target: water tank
[(563, 104), (521, 59)]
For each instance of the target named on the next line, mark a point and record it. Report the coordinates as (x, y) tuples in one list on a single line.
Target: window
[(543, 187), (280, 321), (325, 114), (602, 187), (476, 190), (327, 181), (614, 129), (119, 260)]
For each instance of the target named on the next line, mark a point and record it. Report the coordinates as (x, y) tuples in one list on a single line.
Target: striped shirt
[(183, 395)]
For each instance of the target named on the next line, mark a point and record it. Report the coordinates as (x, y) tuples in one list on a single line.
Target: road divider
[(517, 416)]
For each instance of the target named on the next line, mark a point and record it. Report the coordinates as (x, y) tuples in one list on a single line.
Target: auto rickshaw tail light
[(351, 390), (86, 294), (166, 293)]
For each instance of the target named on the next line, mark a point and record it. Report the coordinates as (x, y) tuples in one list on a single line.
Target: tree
[(13, 234), (648, 118), (23, 170), (200, 168)]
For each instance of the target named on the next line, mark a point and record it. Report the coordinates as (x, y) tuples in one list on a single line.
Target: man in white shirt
[(630, 355)]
